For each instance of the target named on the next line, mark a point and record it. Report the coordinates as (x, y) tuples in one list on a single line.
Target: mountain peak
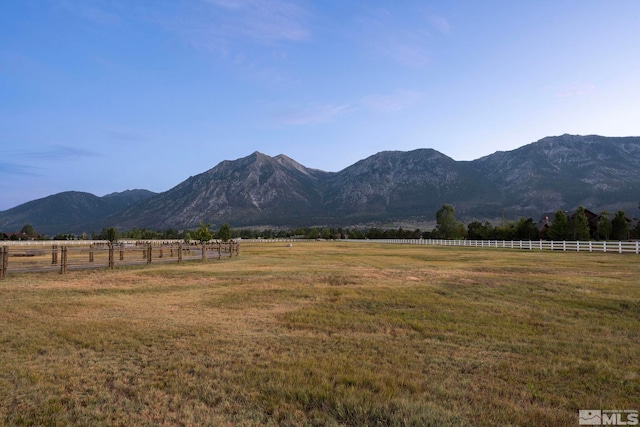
[(259, 155)]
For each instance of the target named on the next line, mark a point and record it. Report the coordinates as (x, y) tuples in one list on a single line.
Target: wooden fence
[(62, 255), (542, 245)]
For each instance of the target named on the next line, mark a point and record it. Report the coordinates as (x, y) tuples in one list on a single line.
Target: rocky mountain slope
[(253, 189), (601, 173), (396, 185)]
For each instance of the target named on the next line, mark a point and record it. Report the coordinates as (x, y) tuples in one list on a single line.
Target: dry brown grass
[(325, 334)]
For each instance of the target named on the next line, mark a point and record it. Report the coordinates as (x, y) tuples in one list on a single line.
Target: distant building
[(547, 219), (16, 236)]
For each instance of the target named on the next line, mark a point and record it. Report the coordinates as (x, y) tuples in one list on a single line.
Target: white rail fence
[(576, 246), (542, 245)]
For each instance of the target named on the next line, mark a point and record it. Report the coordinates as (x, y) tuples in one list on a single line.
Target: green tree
[(375, 233), (604, 226), (325, 233), (525, 229), (224, 233), (619, 226), (170, 233), (580, 225), (28, 230), (559, 229), (112, 234), (479, 231), (446, 225), (202, 234), (505, 231), (312, 233)]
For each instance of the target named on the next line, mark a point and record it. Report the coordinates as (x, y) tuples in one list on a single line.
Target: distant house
[(16, 236), (634, 229), (544, 223), (547, 219)]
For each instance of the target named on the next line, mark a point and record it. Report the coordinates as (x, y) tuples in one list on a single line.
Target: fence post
[(149, 250), (637, 247), (54, 254), (180, 253), (620, 247), (91, 252), (219, 250), (121, 252), (111, 255), (63, 262), (4, 261)]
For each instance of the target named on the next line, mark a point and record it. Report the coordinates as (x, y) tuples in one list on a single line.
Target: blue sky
[(108, 95)]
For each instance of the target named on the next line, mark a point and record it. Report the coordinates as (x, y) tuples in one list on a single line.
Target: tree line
[(202, 234), (563, 226)]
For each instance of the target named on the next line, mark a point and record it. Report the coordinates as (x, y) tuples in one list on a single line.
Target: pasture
[(325, 333)]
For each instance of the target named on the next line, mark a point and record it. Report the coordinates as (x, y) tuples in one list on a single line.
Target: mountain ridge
[(553, 173)]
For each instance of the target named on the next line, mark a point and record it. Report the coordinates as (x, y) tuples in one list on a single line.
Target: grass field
[(325, 333)]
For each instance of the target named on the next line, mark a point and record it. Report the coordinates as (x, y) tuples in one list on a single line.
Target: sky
[(103, 96)]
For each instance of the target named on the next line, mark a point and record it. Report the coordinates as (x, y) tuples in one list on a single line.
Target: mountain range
[(562, 172)]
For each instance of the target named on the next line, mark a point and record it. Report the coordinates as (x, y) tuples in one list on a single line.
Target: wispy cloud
[(575, 90), (11, 168), (31, 162), (397, 101), (313, 115), (223, 26), (51, 152), (440, 23), (260, 20), (64, 152)]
